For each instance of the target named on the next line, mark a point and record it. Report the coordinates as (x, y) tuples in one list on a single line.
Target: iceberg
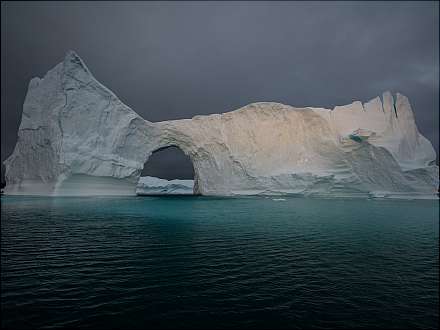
[(77, 138), (149, 185)]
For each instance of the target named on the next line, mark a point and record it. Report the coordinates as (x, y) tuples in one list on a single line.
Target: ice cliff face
[(77, 138), (149, 185)]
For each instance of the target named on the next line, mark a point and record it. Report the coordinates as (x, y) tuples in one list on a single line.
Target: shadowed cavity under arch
[(168, 163)]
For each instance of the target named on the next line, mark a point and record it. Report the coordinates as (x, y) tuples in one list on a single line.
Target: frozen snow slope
[(149, 185), (77, 138)]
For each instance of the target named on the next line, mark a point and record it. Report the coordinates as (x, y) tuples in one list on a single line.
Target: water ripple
[(218, 263)]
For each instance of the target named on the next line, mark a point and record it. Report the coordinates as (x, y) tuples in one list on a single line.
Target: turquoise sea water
[(198, 262)]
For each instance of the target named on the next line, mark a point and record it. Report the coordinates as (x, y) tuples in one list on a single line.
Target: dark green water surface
[(198, 262)]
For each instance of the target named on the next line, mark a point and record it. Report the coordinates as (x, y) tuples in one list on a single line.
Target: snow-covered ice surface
[(149, 185), (77, 138)]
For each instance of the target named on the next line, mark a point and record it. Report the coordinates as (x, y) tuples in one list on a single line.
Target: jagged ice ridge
[(77, 138)]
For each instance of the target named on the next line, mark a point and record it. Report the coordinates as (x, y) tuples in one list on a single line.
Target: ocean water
[(199, 262)]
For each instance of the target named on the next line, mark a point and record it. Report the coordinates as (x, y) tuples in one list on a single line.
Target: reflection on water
[(197, 262)]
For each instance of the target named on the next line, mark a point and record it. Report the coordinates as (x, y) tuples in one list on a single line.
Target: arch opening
[(168, 171)]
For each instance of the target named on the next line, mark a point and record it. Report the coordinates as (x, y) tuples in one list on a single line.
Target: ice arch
[(169, 163), (77, 137)]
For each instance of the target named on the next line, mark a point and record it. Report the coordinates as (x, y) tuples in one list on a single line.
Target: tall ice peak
[(77, 138)]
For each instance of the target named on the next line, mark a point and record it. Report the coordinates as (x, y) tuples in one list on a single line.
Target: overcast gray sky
[(175, 60)]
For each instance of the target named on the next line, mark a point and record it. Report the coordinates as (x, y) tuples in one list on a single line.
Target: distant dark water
[(199, 262)]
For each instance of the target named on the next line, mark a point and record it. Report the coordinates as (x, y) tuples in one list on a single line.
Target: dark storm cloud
[(176, 60)]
